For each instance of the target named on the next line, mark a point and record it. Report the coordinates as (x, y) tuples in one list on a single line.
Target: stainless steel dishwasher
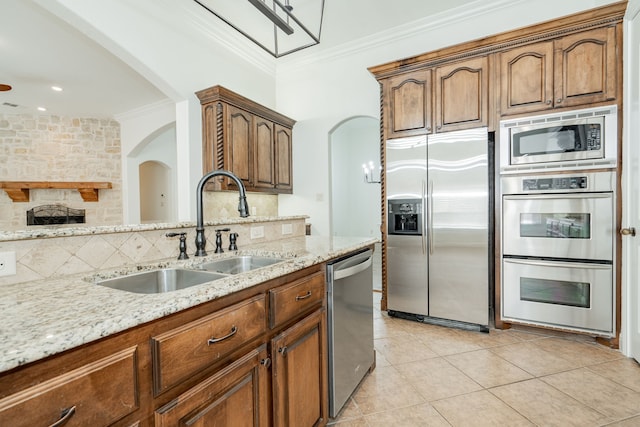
[(350, 325)]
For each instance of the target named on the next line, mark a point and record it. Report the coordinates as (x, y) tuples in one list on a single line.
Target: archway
[(155, 192)]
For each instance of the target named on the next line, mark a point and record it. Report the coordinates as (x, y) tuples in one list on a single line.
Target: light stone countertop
[(42, 318), (41, 232)]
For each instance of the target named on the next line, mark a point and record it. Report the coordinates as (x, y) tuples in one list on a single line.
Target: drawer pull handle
[(229, 335), (305, 296), (64, 417), (266, 362)]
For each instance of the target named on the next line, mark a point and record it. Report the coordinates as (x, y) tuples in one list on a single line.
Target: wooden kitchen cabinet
[(168, 372), (283, 161), (462, 95), (246, 138), (575, 70), (300, 392), (184, 351), (96, 394), (238, 395), (407, 104), (586, 67)]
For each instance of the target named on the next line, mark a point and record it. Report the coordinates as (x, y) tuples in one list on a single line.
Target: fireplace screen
[(55, 214)]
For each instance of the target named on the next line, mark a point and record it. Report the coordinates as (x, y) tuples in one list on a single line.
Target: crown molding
[(396, 34)]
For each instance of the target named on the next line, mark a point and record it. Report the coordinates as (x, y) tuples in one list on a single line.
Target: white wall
[(355, 204), (322, 89)]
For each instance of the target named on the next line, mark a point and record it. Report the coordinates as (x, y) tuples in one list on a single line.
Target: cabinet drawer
[(286, 302), (97, 394), (237, 395), (185, 351)]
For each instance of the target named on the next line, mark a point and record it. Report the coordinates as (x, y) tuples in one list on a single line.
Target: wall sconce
[(371, 173)]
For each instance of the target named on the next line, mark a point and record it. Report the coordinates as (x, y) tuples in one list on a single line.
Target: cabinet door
[(462, 95), (586, 67), (526, 78), (283, 152), (238, 154), (238, 396), (263, 152), (299, 374), (407, 104), (97, 394)]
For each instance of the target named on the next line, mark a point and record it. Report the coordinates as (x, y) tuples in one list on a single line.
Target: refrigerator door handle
[(430, 219), (424, 214)]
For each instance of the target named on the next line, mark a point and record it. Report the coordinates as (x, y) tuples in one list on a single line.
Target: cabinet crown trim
[(220, 93), (599, 17)]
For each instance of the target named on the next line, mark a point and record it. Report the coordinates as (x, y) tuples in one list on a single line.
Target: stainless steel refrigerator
[(438, 220)]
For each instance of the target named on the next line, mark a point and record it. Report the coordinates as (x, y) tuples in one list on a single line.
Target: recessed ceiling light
[(4, 88), (42, 109), (56, 88)]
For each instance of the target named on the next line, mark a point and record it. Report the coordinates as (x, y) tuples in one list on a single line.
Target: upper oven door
[(568, 226)]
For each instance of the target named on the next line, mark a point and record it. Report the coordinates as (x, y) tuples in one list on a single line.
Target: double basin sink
[(172, 279)]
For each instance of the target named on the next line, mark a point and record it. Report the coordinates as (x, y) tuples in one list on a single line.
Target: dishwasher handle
[(352, 271)]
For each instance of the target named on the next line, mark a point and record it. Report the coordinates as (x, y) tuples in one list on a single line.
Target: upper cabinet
[(407, 104), (462, 95), (459, 93), (574, 70), (245, 138)]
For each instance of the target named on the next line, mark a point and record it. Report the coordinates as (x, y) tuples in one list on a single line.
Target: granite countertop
[(42, 318)]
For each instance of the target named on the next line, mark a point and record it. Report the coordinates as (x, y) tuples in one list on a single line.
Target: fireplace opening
[(55, 214)]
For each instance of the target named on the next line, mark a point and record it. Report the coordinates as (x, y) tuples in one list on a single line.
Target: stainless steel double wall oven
[(558, 220)]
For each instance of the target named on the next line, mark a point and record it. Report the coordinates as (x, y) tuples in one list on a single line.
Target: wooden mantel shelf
[(19, 190)]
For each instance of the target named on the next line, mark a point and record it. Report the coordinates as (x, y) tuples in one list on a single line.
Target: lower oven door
[(570, 226), (564, 294)]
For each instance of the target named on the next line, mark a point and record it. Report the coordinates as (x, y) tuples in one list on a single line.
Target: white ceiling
[(38, 50)]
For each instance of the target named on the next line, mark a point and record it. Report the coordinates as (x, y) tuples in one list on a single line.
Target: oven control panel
[(564, 183)]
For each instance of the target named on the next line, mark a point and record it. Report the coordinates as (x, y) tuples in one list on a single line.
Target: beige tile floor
[(434, 376)]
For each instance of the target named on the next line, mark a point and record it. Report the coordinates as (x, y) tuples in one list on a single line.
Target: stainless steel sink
[(159, 281), (239, 264)]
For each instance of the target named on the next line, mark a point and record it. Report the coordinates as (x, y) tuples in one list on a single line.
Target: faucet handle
[(219, 249), (183, 244)]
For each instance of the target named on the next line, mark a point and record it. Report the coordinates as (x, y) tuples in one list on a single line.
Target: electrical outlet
[(287, 228), (257, 232), (7, 263)]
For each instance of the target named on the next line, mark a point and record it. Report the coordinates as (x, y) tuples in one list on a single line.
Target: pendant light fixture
[(278, 28)]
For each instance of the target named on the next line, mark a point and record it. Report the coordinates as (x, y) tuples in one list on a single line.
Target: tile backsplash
[(62, 255)]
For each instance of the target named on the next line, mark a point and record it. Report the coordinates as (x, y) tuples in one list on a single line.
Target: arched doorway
[(155, 192)]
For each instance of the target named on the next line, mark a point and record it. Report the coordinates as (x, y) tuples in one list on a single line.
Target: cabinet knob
[(283, 350), (266, 362), (631, 231), (548, 102), (559, 100)]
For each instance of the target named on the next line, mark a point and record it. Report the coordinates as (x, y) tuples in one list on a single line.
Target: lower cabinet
[(257, 357), (97, 394), (238, 396), (299, 373)]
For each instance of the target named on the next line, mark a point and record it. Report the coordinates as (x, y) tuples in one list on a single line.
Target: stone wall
[(55, 148)]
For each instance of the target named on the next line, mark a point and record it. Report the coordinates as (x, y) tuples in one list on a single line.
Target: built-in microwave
[(578, 139)]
